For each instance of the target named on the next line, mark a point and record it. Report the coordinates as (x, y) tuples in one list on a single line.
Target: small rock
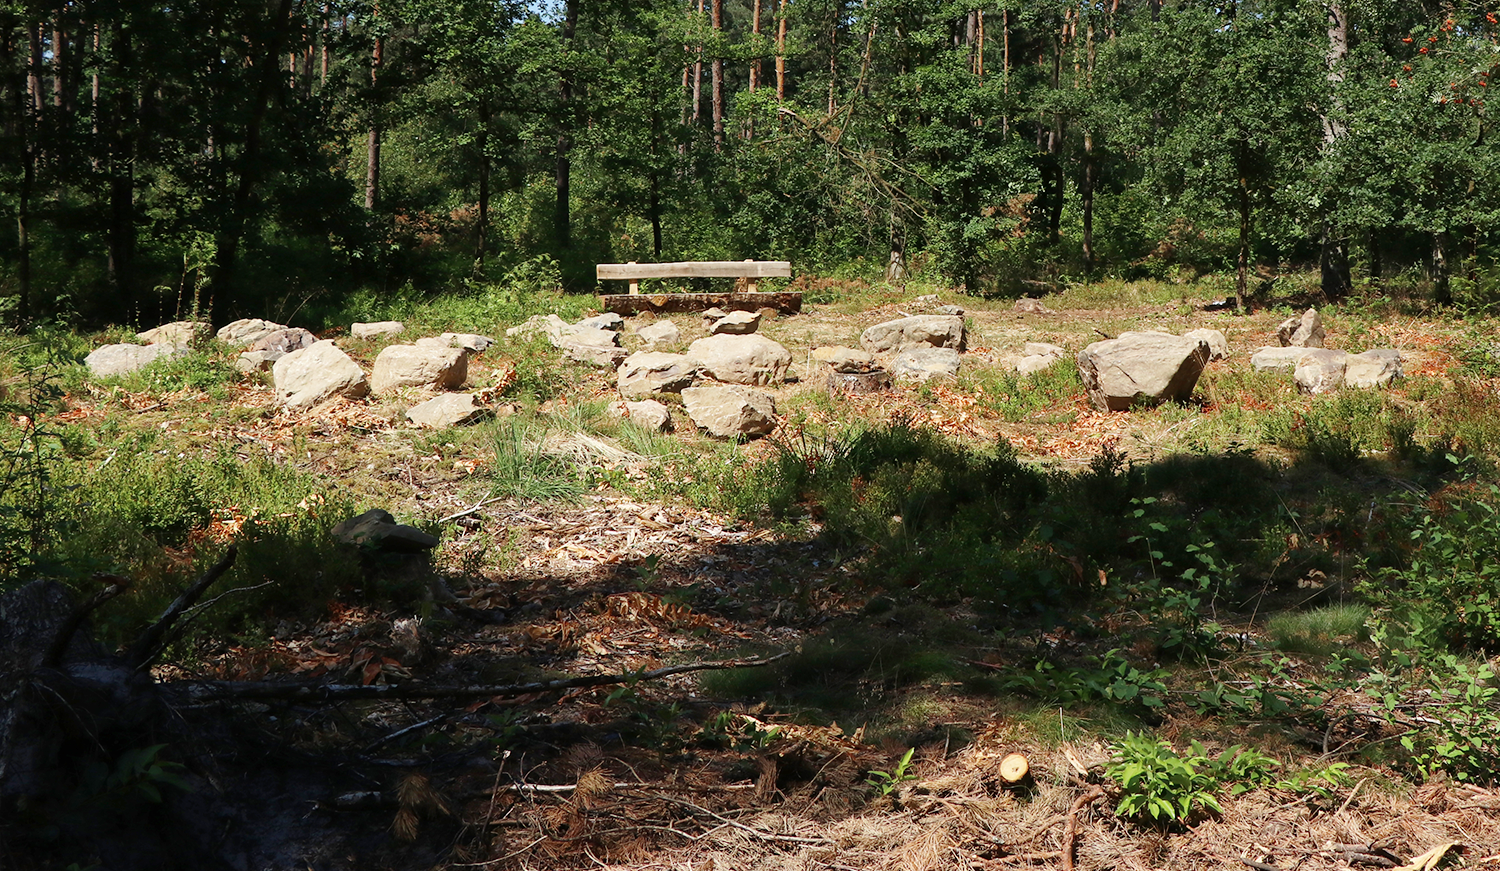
[(1320, 370), (955, 310), (607, 321), (1027, 305), (662, 332), (752, 359), (447, 410), (1268, 358), (595, 347), (378, 530), (864, 381), (938, 331), (1141, 367), (284, 341), (924, 364), (647, 414), (376, 329), (1374, 368), (1302, 332), (710, 315), (926, 299), (411, 366), (551, 326), (256, 361), (1218, 346), (473, 343), (111, 361), (646, 373), (175, 333), (730, 412), (736, 323), (1034, 363), (1043, 349), (321, 371), (247, 331)]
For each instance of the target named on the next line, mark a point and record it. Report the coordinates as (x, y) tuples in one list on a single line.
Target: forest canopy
[(254, 154)]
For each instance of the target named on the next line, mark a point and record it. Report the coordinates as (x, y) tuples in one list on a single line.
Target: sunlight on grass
[(1320, 631)]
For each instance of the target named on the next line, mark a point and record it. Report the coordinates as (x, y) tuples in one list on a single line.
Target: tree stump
[(848, 383)]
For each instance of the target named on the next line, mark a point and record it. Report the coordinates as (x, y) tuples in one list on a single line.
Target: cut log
[(789, 302), (1014, 768), (875, 381)]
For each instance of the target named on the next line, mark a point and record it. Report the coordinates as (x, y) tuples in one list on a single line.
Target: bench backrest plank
[(697, 269)]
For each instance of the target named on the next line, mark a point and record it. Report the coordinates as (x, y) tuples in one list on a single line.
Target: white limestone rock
[(1218, 345), (317, 373), (925, 364), (752, 359), (730, 412), (1305, 331), (376, 329), (1141, 368), (648, 373), (247, 331), (112, 361), (1377, 367), (662, 332), (595, 347), (1320, 370), (413, 366), (938, 331), (447, 410), (736, 323)]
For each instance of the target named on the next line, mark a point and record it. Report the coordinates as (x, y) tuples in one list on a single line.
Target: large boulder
[(447, 410), (1038, 357), (647, 373), (938, 331), (924, 364), (283, 341), (1268, 358), (1321, 370), (736, 323), (752, 359), (730, 412), (376, 329), (316, 373), (175, 333), (111, 361), (595, 347), (247, 331), (662, 332), (411, 366), (1374, 368), (1305, 331), (1218, 345), (1141, 367)]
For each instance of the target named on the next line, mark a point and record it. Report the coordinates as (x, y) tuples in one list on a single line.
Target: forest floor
[(801, 764)]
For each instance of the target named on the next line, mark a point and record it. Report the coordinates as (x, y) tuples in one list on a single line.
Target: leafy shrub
[(1157, 783)]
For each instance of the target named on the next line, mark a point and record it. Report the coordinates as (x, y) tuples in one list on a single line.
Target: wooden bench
[(749, 299)]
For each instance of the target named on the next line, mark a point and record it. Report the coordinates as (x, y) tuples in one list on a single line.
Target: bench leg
[(635, 286), (751, 285)]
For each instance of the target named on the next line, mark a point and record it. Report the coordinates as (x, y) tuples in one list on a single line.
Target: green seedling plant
[(887, 782), (1157, 784)]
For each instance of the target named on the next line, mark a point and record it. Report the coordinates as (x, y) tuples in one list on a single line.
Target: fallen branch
[(1258, 866), (226, 689), (1070, 830), (154, 640), (770, 836), (467, 511), (115, 585)]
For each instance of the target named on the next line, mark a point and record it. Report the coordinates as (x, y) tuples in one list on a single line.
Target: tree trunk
[(122, 180), (482, 231), (1334, 257), (372, 148), (1242, 263), (718, 79), (755, 29), (698, 78), (781, 51), (1442, 290), (1086, 195), (562, 219), (26, 127)]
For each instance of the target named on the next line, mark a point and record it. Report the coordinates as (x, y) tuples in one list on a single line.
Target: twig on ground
[(1259, 866), (225, 689), (155, 639), (467, 511), (769, 836), (1070, 830)]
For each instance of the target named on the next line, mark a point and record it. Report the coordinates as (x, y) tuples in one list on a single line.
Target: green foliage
[(1460, 732), (1320, 631), (887, 782), (524, 468), (1446, 595), (1158, 784), (1112, 679)]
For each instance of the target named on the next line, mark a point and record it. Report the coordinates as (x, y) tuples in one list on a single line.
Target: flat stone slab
[(925, 364), (447, 410), (595, 347), (376, 329), (471, 342), (648, 414), (736, 323), (246, 331), (938, 331), (112, 361), (283, 341), (606, 321), (1268, 358), (842, 359), (1377, 367), (662, 332), (175, 333)]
